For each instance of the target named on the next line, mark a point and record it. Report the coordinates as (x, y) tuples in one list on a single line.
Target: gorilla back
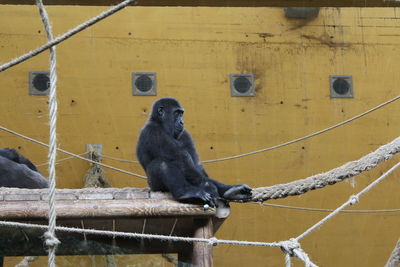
[(167, 154), (18, 171)]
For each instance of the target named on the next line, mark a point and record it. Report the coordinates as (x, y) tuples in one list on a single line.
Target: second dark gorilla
[(167, 153), (18, 171)]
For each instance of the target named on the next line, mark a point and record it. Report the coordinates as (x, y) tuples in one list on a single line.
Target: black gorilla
[(167, 154), (18, 171)]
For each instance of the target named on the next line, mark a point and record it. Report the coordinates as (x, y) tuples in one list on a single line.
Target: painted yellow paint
[(193, 51)]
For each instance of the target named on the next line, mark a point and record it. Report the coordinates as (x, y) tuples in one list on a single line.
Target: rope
[(139, 235), (331, 177), (50, 239), (325, 210), (118, 159), (307, 136), (394, 260), (353, 200), (69, 153), (66, 35), (294, 250), (60, 160)]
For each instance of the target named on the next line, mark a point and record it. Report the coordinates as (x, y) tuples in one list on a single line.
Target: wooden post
[(201, 253)]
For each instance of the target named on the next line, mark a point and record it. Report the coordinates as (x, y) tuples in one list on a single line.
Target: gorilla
[(18, 171), (167, 154)]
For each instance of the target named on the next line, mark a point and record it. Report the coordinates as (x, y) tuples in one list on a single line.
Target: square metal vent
[(144, 83), (341, 86), (242, 85), (39, 83)]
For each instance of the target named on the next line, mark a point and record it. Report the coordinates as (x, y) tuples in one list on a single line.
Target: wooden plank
[(225, 3), (102, 209)]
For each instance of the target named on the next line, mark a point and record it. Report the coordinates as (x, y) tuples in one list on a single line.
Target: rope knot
[(213, 241), (51, 240), (288, 246), (353, 200)]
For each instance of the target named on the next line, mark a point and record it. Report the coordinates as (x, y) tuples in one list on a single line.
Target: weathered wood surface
[(226, 3), (94, 203), (125, 210)]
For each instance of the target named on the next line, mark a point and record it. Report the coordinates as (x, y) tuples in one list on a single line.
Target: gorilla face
[(169, 113), (178, 122)]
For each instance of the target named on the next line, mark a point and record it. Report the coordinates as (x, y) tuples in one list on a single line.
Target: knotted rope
[(51, 240)]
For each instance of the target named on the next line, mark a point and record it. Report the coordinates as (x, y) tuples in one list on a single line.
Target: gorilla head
[(169, 113)]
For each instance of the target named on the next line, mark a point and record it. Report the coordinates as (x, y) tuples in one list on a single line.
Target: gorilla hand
[(238, 192), (203, 196)]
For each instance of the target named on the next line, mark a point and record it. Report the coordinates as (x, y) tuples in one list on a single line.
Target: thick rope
[(69, 153), (394, 260), (352, 201), (67, 35), (307, 136), (331, 177), (324, 210), (50, 239)]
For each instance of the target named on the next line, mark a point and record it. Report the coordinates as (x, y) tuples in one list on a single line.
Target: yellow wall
[(193, 51)]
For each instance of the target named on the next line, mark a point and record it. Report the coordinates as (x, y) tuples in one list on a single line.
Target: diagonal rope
[(394, 260), (50, 239), (66, 35), (60, 160), (352, 201), (307, 136), (324, 210)]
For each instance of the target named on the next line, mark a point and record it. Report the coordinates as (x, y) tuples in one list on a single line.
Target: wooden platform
[(124, 210)]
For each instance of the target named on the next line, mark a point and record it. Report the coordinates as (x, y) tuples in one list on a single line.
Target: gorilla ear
[(161, 111)]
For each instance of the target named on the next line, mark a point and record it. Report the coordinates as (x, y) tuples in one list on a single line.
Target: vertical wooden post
[(201, 253)]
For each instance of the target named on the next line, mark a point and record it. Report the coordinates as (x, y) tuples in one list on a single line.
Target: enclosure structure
[(123, 210), (193, 51)]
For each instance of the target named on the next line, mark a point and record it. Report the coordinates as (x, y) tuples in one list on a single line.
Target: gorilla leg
[(165, 176)]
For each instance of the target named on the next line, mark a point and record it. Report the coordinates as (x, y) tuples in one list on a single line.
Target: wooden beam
[(224, 3), (101, 209), (201, 253), (31, 204)]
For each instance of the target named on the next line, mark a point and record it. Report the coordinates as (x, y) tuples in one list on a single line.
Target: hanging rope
[(51, 240), (331, 177)]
